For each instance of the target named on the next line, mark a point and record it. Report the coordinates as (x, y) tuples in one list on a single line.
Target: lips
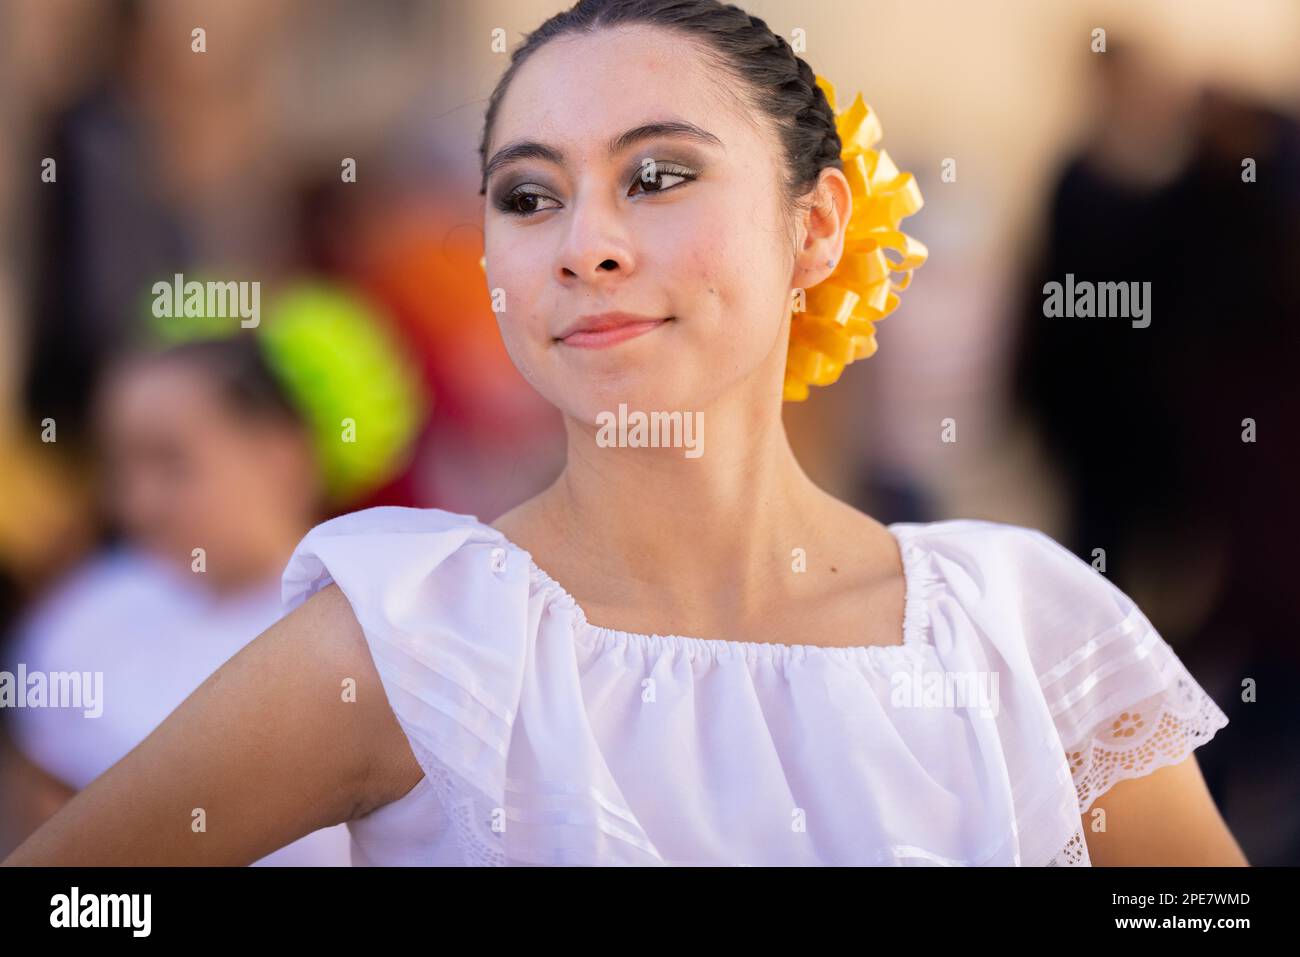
[(608, 329)]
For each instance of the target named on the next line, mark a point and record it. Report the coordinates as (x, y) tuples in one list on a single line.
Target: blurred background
[(120, 448)]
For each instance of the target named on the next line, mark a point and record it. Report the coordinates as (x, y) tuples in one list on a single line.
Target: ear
[(823, 227)]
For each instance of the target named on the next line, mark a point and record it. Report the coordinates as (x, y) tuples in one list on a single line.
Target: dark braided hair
[(771, 80)]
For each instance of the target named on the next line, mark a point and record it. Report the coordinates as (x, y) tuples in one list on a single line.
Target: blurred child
[(212, 479)]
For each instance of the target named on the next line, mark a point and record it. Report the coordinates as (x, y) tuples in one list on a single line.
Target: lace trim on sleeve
[(1159, 730), (1073, 854)]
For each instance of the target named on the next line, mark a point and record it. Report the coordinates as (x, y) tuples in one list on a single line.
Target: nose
[(597, 247)]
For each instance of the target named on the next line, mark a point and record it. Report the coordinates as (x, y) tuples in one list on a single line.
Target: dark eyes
[(650, 177)]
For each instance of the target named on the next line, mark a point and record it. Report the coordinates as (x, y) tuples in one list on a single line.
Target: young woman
[(672, 658)]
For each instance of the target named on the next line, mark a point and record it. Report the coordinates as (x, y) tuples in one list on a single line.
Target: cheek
[(525, 303), (732, 280), (523, 329), (517, 284), (217, 472)]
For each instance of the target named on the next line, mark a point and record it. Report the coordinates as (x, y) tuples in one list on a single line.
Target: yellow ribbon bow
[(837, 326)]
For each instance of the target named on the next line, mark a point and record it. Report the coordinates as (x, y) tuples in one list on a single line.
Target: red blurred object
[(424, 268), (421, 266)]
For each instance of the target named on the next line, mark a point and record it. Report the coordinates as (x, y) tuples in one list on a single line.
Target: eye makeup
[(508, 197)]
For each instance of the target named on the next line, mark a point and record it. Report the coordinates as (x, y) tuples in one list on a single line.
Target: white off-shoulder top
[(1025, 685)]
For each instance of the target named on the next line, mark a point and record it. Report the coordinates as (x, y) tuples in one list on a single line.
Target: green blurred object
[(353, 383)]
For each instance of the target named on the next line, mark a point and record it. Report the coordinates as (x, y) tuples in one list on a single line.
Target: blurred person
[(497, 722), (202, 450), (161, 164), (1083, 380), (1181, 522), (1225, 376), (101, 229)]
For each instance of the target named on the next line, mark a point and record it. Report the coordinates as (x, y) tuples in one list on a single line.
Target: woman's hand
[(265, 751), (1163, 819)]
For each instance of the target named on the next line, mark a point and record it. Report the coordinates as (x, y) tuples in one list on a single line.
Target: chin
[(640, 391)]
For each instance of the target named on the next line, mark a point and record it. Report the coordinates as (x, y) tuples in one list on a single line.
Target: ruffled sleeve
[(1122, 702), (446, 619)]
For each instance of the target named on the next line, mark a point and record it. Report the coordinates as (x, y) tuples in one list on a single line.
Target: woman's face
[(698, 239)]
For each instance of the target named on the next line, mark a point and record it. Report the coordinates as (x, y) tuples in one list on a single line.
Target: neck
[(710, 532)]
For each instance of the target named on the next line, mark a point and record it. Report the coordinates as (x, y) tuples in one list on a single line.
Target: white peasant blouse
[(1026, 684)]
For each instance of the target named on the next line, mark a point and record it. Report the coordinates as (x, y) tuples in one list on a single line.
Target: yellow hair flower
[(837, 325)]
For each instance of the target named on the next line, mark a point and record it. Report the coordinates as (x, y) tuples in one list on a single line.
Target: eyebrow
[(531, 149)]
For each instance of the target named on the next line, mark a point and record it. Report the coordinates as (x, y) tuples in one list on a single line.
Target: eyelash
[(506, 203)]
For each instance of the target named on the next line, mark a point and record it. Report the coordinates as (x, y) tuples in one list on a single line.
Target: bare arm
[(1165, 819), (29, 795), (266, 747)]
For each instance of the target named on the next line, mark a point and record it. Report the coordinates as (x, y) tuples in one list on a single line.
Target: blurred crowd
[(121, 451), (126, 449)]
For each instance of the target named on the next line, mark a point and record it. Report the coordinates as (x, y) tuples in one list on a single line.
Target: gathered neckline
[(917, 582)]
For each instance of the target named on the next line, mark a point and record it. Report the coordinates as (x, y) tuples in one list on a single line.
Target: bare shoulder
[(854, 585), (860, 541)]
